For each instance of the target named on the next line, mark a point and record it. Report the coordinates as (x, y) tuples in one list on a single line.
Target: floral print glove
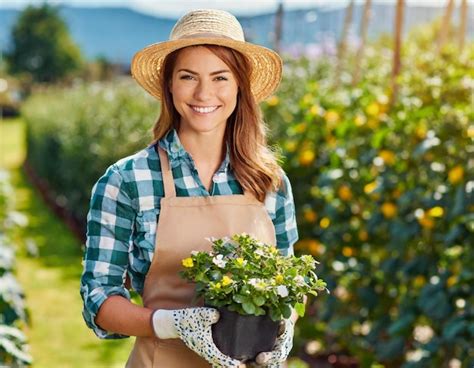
[(193, 327), (283, 345)]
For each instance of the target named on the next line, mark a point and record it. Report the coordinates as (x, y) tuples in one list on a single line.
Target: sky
[(176, 8)]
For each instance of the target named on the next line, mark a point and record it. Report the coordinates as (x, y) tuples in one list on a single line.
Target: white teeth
[(204, 110)]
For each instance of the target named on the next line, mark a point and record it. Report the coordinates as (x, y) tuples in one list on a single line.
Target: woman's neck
[(205, 149)]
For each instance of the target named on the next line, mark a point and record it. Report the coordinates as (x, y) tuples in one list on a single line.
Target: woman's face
[(204, 91)]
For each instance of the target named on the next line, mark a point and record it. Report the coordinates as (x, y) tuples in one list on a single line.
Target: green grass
[(57, 334)]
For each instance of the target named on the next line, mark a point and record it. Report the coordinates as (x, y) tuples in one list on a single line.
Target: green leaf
[(258, 300), (300, 309), (249, 307)]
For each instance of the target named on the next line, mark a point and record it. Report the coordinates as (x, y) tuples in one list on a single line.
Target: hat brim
[(266, 64)]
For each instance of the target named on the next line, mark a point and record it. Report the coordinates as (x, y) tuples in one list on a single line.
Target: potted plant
[(254, 287)]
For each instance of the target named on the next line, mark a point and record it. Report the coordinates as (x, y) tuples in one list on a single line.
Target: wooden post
[(445, 25), (278, 26), (343, 42), (397, 50), (363, 36), (462, 27)]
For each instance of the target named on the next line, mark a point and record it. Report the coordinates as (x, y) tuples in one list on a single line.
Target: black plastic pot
[(243, 337)]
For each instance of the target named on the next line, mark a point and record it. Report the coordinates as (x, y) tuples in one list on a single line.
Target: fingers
[(263, 358), (210, 315)]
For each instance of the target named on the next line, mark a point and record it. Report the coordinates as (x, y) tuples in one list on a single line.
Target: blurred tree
[(343, 42), (446, 25), (397, 50), (462, 30), (364, 25), (41, 45)]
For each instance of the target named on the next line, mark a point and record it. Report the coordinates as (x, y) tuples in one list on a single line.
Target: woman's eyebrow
[(213, 73)]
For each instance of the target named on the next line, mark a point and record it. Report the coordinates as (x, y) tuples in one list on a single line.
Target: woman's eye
[(186, 77), (221, 78)]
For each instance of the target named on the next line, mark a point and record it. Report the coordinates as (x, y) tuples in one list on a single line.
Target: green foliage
[(13, 346), (74, 135), (252, 278), (385, 197), (41, 45)]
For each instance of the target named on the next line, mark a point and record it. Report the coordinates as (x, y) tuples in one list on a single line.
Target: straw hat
[(215, 27)]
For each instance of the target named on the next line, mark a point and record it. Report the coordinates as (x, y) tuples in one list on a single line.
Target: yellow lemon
[(300, 128), (451, 280), (359, 120), (389, 210), (456, 174)]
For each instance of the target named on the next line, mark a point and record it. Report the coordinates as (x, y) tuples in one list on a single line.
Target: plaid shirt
[(125, 205)]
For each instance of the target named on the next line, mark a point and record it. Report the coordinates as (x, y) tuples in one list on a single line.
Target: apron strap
[(167, 174)]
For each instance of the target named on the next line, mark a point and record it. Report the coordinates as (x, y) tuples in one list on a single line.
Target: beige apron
[(183, 225)]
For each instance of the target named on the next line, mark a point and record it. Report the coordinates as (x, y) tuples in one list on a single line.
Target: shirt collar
[(177, 154)]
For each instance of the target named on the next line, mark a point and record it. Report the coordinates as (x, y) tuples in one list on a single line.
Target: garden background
[(376, 135)]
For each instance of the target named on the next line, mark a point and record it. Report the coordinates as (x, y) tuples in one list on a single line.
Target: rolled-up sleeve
[(281, 208), (109, 235)]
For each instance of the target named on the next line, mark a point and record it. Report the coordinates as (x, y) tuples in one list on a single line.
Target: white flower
[(282, 290), (258, 284), (260, 252), (218, 261), (299, 280)]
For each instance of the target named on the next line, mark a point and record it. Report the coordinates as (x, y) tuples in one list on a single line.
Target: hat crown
[(207, 23)]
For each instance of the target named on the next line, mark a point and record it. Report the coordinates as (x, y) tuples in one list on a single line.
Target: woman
[(207, 173)]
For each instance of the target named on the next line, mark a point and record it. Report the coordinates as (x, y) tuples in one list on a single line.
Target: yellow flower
[(387, 156), (373, 109), (436, 211), (309, 215), (307, 156), (345, 192), (419, 281), (279, 279), (389, 209), (315, 110), (359, 120), (325, 222), (273, 100), (347, 251), (451, 280), (426, 222), (300, 128), (226, 280), (421, 131), (315, 248), (331, 116), (456, 174), (217, 285), (369, 188), (188, 262), (240, 261), (470, 131), (290, 146), (363, 235)]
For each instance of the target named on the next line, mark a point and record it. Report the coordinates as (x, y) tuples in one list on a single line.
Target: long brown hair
[(254, 165)]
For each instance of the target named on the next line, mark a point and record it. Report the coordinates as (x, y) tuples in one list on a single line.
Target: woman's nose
[(203, 91)]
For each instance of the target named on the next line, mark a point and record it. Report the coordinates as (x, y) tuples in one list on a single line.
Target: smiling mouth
[(204, 109)]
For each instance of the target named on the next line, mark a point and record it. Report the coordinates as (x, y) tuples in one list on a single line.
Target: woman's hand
[(283, 345), (193, 327)]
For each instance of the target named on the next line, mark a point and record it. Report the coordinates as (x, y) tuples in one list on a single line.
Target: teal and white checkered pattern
[(125, 206)]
